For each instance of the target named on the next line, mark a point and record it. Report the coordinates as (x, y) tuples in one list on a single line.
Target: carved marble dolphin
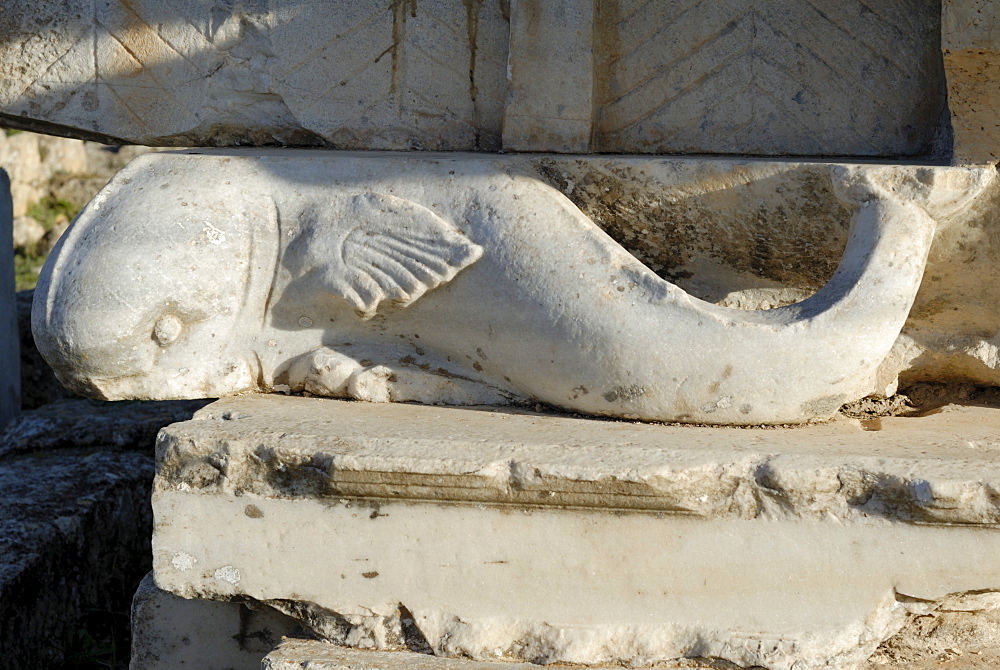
[(454, 279)]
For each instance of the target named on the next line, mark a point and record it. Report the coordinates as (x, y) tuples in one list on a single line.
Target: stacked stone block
[(536, 290)]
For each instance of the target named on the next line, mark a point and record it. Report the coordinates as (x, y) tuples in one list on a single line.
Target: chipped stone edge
[(720, 484)]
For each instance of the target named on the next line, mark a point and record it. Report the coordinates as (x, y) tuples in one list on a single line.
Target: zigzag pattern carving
[(797, 76), (394, 74), (406, 63)]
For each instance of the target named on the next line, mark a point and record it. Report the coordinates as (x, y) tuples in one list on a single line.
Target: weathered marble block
[(779, 77), (773, 77), (499, 535), (933, 652), (971, 44), (10, 360), (305, 654), (469, 279), (371, 75)]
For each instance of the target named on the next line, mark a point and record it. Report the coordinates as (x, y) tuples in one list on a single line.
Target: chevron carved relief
[(767, 77), (859, 77), (392, 74), (425, 75)]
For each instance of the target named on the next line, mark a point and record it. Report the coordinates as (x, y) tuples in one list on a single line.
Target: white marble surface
[(524, 536), (769, 77), (349, 75), (460, 279), (313, 655), (971, 46)]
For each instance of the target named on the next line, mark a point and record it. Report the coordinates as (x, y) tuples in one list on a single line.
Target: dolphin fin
[(394, 250)]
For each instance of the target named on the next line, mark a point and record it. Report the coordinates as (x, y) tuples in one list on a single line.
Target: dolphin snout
[(125, 308)]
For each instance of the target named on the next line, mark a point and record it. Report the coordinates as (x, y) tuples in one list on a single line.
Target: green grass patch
[(48, 209), (28, 264), (11, 131), (26, 269)]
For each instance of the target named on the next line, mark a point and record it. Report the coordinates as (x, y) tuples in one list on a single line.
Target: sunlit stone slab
[(971, 45), (373, 75), (951, 645), (295, 654), (774, 77), (522, 536)]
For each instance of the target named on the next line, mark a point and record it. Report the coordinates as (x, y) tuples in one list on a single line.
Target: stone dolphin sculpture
[(456, 280)]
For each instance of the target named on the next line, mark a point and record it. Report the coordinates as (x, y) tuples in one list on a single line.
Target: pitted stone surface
[(470, 279), (74, 534), (961, 633), (312, 655), (75, 523), (85, 423), (293, 654), (971, 45), (524, 536), (935, 469), (818, 78)]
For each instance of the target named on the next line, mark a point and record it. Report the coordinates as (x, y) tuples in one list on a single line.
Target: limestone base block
[(926, 654), (970, 42), (10, 366), (297, 654), (170, 632), (963, 634), (75, 526), (819, 78), (511, 535)]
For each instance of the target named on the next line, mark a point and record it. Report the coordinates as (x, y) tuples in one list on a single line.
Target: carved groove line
[(759, 67)]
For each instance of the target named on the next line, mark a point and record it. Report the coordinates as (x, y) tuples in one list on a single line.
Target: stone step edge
[(939, 469), (303, 654)]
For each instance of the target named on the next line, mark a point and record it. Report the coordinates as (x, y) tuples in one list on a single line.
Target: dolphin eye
[(167, 329)]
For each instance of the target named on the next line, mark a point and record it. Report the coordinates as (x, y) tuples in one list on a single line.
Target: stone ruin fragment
[(735, 214)]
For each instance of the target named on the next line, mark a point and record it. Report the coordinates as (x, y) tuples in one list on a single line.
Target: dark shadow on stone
[(75, 519), (38, 383)]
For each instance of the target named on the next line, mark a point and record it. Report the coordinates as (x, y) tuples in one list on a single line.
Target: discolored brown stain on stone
[(400, 10), (732, 223)]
